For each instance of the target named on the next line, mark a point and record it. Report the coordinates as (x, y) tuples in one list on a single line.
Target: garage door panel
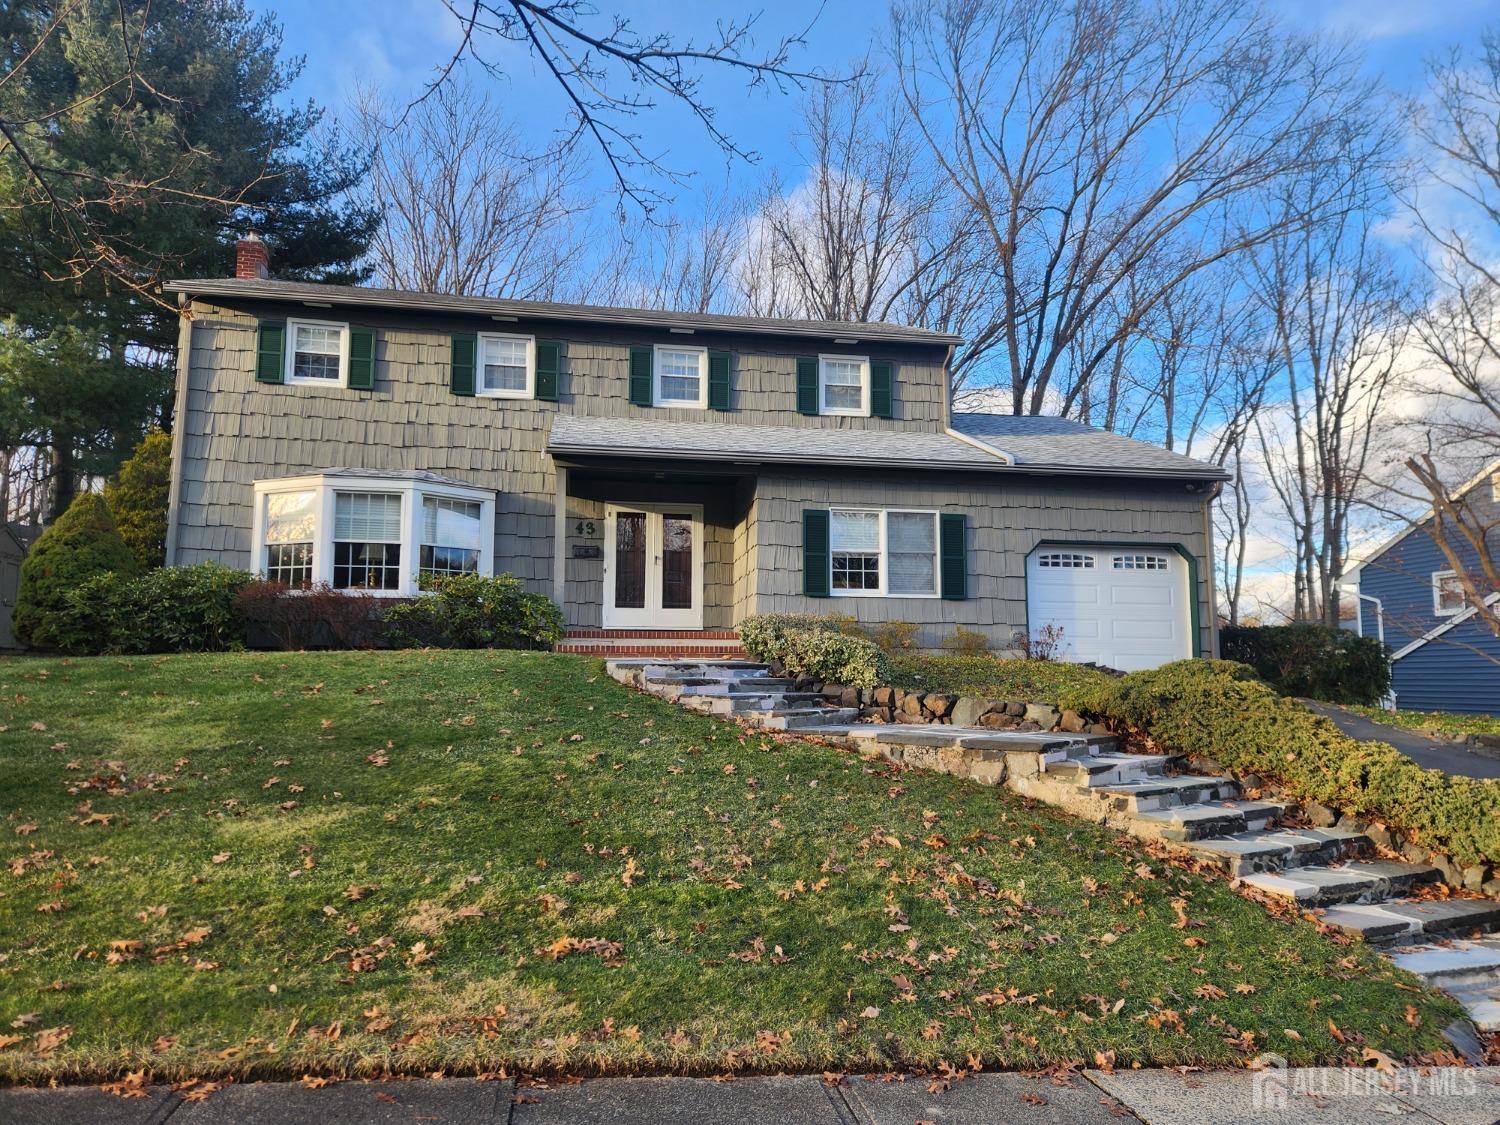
[(1127, 608)]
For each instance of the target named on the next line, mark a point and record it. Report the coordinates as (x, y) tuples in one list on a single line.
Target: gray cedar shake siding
[(233, 431)]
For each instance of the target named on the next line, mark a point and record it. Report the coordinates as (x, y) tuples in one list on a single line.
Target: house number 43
[(586, 527)]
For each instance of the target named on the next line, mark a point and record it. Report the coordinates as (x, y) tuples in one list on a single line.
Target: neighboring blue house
[(1444, 657)]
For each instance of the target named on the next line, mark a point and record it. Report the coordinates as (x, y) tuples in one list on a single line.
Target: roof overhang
[(318, 296)]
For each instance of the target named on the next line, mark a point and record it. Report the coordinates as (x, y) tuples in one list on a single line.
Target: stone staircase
[(1334, 876)]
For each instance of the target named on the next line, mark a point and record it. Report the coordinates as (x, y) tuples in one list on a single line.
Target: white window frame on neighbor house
[(863, 410), (701, 402), (291, 375), (326, 487), (529, 391), (1438, 609), (884, 553)]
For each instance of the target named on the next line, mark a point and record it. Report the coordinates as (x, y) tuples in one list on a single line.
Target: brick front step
[(579, 633), (622, 647)]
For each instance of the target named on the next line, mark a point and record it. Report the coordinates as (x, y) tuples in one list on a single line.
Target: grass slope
[(1440, 722), (271, 864)]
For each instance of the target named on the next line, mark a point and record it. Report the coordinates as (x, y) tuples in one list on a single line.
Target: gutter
[(657, 453), (497, 306)]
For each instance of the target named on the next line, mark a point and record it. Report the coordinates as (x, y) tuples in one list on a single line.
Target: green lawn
[(274, 864), (1442, 722)]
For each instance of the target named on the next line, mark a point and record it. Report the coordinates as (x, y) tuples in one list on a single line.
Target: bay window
[(874, 552), (382, 533)]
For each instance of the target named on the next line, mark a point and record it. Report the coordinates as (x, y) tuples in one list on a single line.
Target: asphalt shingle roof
[(253, 289), (1040, 442), (1080, 450)]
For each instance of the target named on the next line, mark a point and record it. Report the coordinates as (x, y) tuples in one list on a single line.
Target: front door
[(653, 566)]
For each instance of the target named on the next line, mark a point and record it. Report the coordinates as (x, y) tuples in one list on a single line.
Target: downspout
[(1389, 702), (1211, 570), (179, 421)]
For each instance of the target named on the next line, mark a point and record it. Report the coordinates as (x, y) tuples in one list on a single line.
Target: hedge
[(1315, 661), (1221, 710), (172, 609), (821, 648)]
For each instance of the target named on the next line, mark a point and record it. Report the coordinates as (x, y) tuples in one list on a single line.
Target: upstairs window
[(317, 352), (1447, 594), (681, 377), (507, 366), (844, 385)]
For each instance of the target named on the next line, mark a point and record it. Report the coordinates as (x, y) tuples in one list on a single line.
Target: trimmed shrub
[(820, 648), (475, 611), (137, 499), (171, 609), (300, 617), (987, 676), (1314, 661), (1221, 710), (83, 542), (894, 636), (966, 642)]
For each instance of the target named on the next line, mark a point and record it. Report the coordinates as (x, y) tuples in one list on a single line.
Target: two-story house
[(659, 471), (1443, 655)]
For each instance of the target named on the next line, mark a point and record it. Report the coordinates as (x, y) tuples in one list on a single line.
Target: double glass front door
[(653, 567)]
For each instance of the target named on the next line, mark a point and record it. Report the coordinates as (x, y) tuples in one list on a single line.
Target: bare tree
[(610, 73), (1093, 138), (466, 207), (1337, 308), (1458, 392)]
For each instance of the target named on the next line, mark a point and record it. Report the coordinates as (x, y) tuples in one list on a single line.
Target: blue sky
[(396, 44)]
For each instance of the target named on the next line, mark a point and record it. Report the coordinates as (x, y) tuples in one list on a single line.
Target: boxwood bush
[(1315, 661), (83, 542), (821, 648), (1220, 709)]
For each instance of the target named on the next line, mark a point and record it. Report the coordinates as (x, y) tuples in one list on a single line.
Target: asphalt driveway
[(1434, 753)]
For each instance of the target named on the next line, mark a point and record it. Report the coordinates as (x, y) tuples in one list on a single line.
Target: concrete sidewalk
[(1159, 1097)]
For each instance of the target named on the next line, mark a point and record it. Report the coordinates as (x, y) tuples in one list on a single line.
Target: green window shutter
[(548, 364), (361, 359), (815, 560), (953, 555), (640, 376), (807, 384), (270, 352), (461, 364), (718, 380), (881, 398)]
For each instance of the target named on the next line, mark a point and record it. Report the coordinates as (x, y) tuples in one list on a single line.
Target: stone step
[(1092, 770), (1460, 964), (1167, 792), (1361, 881), (1482, 1002), (1198, 822), (1244, 853), (798, 717), (1402, 919)]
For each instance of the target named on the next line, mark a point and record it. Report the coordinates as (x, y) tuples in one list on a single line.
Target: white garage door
[(1126, 608)]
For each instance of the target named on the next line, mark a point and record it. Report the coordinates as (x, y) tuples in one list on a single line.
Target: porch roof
[(1070, 448)]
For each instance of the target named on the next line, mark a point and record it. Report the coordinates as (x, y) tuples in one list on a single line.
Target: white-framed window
[(380, 533), (844, 384), (883, 553), (1065, 560), (1138, 562), (681, 376), (1447, 594), (1495, 486), (317, 352), (507, 366), (290, 520), (452, 536)]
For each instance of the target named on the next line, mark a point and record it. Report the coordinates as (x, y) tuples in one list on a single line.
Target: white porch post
[(560, 537)]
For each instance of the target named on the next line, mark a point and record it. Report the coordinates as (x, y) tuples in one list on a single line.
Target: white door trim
[(652, 615)]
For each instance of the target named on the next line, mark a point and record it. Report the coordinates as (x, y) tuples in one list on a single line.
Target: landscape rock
[(1452, 874), (833, 691), (1044, 715), (939, 705), (1320, 816), (884, 696), (1475, 877), (911, 703), (1380, 836), (1072, 721), (1016, 710), (1492, 888), (969, 710), (849, 697)]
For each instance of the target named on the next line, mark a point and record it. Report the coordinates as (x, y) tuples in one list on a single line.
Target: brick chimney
[(250, 258)]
